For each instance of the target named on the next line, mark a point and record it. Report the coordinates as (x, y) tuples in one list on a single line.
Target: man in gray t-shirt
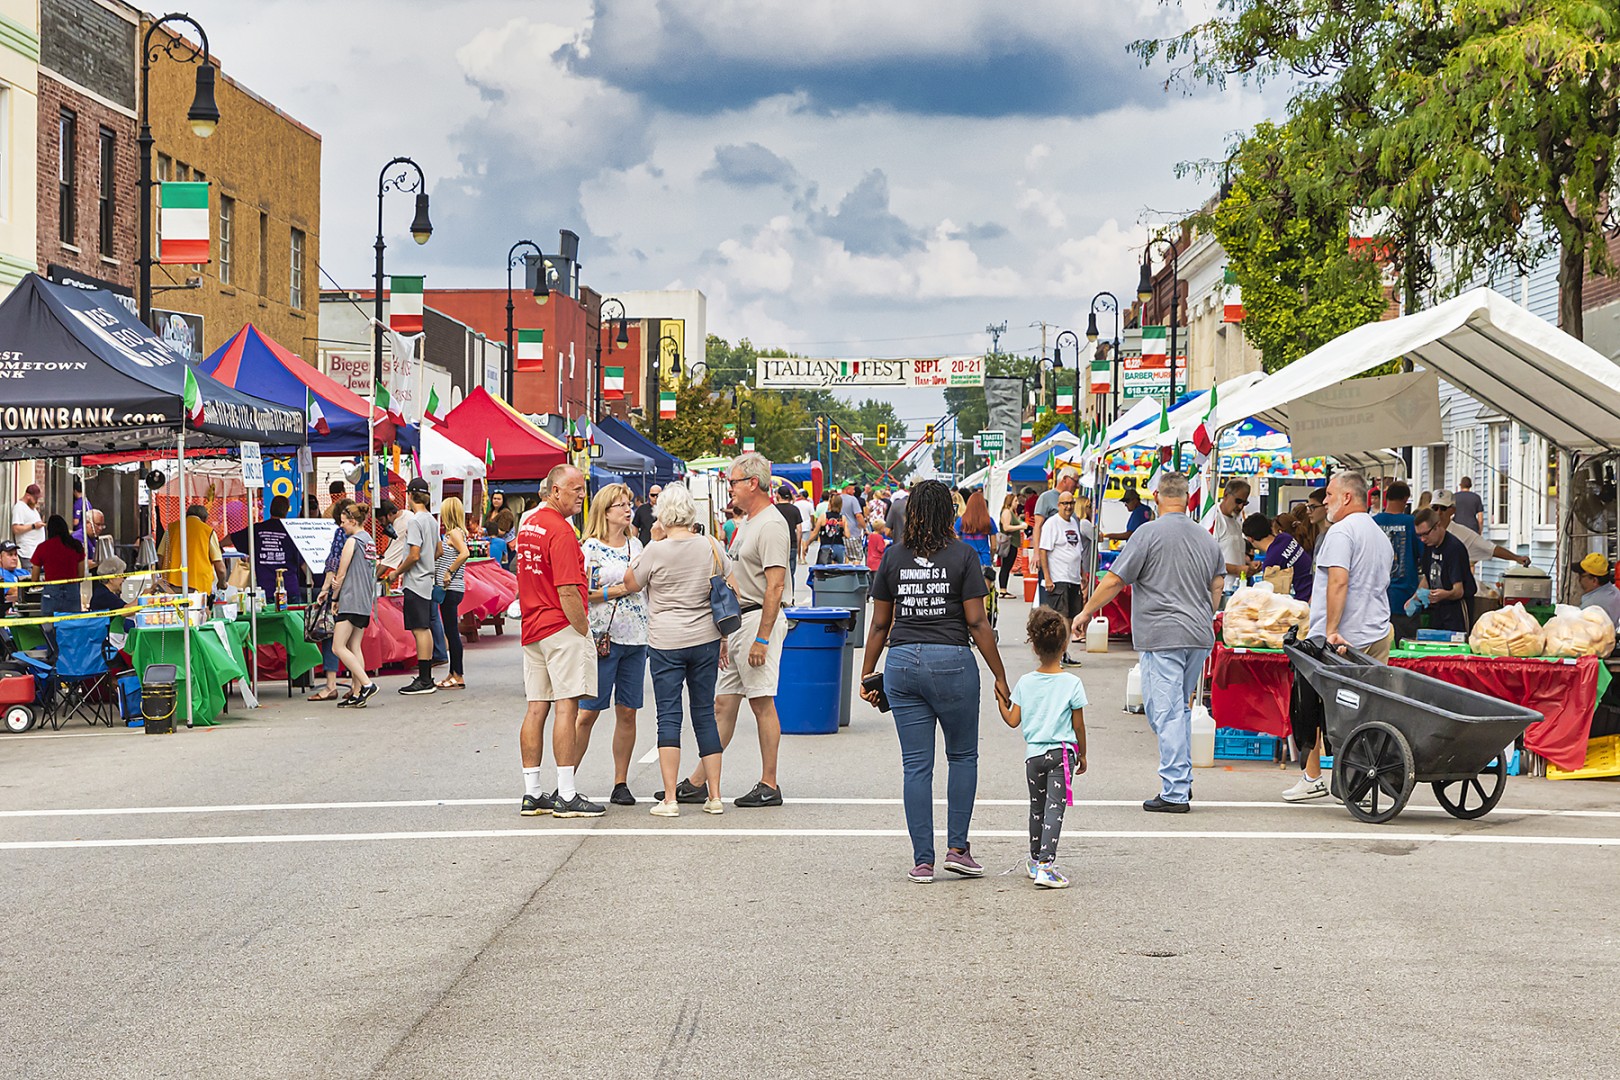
[(415, 575), (1469, 507), (1176, 573)]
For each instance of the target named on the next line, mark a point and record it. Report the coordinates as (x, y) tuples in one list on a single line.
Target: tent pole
[(185, 570), (1563, 551)]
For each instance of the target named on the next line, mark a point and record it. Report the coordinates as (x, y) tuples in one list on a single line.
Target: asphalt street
[(307, 892)]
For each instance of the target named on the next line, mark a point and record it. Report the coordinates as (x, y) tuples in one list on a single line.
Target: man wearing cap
[(27, 527), (10, 570), (795, 524), (1597, 585), (1479, 548), (415, 576)]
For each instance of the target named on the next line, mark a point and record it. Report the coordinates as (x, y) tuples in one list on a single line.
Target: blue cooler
[(813, 674)]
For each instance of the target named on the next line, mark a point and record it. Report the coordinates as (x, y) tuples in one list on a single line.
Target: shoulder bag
[(320, 620), (722, 601)]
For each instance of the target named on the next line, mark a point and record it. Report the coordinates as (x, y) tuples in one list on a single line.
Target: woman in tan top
[(683, 643)]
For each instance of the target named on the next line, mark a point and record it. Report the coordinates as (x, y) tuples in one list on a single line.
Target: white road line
[(648, 758), (706, 833), (391, 804)]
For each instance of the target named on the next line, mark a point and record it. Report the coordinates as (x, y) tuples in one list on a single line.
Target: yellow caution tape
[(42, 620)]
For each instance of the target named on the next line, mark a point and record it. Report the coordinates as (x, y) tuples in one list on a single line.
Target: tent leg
[(185, 571)]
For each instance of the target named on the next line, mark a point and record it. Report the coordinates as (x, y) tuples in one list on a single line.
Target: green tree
[(1488, 129)]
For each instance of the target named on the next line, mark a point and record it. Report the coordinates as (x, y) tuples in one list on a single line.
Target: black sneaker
[(419, 685), (622, 796), (537, 805), (685, 792), (349, 702), (762, 795), (1160, 805), (578, 806), (366, 694)]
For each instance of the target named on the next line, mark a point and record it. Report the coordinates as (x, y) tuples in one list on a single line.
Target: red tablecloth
[(490, 589), (1118, 613), (387, 643), (1249, 690)]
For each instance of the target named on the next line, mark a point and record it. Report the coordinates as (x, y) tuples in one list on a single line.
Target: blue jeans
[(441, 650), (696, 667), (619, 678), (929, 685), (1169, 678)]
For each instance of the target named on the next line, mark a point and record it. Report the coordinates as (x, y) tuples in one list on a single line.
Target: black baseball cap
[(7, 547), (418, 484)]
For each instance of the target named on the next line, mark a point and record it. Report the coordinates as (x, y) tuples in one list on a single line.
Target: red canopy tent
[(522, 451)]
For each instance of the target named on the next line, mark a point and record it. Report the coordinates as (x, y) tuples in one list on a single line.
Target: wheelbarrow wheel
[(19, 718), (1475, 797), (1374, 772)]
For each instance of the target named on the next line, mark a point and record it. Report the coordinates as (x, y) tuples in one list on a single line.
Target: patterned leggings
[(1046, 774)]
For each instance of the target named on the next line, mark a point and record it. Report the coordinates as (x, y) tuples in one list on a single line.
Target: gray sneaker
[(962, 862), (578, 806)]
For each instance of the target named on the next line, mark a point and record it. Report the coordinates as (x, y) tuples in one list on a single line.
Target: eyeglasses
[(736, 479), (1065, 502), (1423, 534), (619, 506)]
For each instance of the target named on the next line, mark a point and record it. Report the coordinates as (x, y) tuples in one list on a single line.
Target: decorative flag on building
[(1102, 375), (531, 347), (1026, 435), (405, 304), (1234, 298), (433, 406), (1204, 434), (729, 436), (1065, 401), (613, 383), (183, 222), (1154, 341), (748, 444), (317, 415), (666, 405), (193, 399)]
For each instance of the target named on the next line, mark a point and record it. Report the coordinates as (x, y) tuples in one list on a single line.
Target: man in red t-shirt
[(559, 664)]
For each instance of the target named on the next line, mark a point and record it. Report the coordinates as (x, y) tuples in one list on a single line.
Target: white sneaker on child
[(1048, 876)]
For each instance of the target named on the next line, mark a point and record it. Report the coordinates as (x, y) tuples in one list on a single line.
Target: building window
[(67, 177), (264, 253), (105, 205), (295, 271), (165, 167), (1502, 447), (182, 172), (227, 232)]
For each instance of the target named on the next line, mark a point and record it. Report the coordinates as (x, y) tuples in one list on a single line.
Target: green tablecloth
[(285, 628), (214, 665)]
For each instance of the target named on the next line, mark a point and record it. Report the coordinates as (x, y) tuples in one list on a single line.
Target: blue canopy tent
[(618, 457), (1032, 468), (665, 468), (601, 478), (256, 365)]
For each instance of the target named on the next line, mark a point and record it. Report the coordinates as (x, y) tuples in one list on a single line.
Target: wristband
[(762, 641)]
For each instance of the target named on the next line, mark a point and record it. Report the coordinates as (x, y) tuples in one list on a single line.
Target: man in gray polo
[(1176, 573)]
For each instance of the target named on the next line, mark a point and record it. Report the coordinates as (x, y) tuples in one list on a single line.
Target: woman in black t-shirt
[(928, 601), (830, 535)]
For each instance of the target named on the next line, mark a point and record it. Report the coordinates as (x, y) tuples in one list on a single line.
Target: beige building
[(19, 135), (1217, 350)]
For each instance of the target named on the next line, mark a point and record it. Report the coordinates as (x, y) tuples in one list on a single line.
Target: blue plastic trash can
[(813, 680)]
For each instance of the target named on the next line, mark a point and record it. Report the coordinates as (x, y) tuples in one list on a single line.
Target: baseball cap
[(418, 484), (1443, 498), (7, 547), (1595, 564), (33, 489)]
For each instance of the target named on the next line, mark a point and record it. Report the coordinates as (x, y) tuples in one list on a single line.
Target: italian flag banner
[(316, 415), (1154, 342), (666, 405), (1026, 435), (613, 383), (728, 437), (1204, 434), (385, 402), (193, 399), (433, 406), (1102, 376), (1234, 298), (531, 347), (183, 222), (1065, 401), (405, 304), (748, 444)]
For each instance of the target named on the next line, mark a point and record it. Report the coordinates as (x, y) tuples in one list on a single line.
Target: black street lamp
[(1057, 357), (203, 115), (541, 294), (740, 394), (622, 340), (1144, 293), (670, 344), (1091, 336), (395, 176)]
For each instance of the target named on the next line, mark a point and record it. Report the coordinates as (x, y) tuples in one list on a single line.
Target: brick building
[(560, 382), (87, 180), (264, 209)]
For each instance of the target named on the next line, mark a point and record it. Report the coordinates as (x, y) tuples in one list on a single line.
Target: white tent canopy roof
[(1185, 418), (1480, 342), (458, 463)]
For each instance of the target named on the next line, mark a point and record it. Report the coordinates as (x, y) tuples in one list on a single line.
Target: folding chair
[(83, 672)]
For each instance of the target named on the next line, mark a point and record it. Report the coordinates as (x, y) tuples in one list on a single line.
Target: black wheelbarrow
[(1391, 728)]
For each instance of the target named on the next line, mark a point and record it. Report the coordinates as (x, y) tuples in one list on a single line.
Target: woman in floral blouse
[(610, 543)]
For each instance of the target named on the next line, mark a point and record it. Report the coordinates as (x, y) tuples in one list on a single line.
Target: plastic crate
[(1234, 744), (1602, 759)]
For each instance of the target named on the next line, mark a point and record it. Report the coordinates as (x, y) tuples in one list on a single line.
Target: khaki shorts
[(1379, 650), (740, 677), (559, 667)]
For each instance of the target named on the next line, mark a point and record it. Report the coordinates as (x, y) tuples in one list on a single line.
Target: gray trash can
[(839, 585)]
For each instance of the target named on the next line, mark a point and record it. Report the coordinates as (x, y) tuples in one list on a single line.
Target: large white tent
[(1188, 415), (994, 478)]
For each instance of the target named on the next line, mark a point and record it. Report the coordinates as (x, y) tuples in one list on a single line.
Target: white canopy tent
[(1186, 417), (458, 463), (994, 477)]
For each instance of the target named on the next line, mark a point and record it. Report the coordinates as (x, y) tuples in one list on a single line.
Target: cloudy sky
[(840, 177)]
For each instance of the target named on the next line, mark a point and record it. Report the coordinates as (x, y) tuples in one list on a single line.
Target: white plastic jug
[(1097, 635), (1203, 738), (1133, 690)]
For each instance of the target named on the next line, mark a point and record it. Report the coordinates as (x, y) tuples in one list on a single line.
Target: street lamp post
[(1144, 293), (620, 341), (395, 176), (203, 116), (674, 349), (1091, 336), (1057, 356), (541, 293)]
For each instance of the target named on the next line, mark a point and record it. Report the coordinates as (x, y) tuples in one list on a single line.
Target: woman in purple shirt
[(1280, 551)]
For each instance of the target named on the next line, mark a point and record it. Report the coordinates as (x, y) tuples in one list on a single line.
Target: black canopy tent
[(80, 374)]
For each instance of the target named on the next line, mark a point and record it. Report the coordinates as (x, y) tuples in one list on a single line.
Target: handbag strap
[(714, 553)]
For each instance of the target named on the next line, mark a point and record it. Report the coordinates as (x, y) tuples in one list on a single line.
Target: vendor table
[(286, 630), (1249, 689), (214, 663)]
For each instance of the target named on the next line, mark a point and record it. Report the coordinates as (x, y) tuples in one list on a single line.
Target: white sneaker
[(665, 809), (713, 806), (1306, 790)]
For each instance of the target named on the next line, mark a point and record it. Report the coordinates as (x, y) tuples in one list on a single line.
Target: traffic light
[(821, 429), (832, 438), (928, 433), (883, 434)]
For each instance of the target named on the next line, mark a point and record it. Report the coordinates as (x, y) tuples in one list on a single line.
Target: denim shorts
[(621, 677)]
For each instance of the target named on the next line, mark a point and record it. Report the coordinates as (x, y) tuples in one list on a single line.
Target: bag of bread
[(1258, 617), (1574, 631), (1510, 631)]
